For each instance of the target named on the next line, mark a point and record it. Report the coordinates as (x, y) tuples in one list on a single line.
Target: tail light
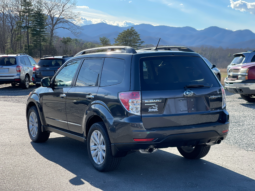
[(131, 102), (18, 69), (34, 69), (224, 101)]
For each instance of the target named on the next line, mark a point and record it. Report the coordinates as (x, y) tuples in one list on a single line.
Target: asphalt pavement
[(62, 163)]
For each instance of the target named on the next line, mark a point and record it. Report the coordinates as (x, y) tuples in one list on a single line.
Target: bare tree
[(60, 15)]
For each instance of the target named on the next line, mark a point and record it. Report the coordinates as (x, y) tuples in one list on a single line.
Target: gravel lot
[(62, 163), (242, 119)]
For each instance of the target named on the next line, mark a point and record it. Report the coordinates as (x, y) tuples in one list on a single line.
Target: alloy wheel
[(33, 124), (97, 147)]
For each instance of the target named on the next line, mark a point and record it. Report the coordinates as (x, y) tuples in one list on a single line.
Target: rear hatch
[(48, 67), (7, 67), (178, 91)]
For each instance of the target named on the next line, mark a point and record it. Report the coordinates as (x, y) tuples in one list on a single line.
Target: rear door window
[(51, 63), (113, 72), (90, 72), (27, 61), (7, 61), (175, 72), (33, 62)]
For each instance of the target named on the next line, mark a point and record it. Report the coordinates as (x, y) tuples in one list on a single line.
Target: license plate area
[(185, 105), (4, 70)]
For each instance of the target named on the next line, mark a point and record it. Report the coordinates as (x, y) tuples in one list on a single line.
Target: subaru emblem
[(188, 93)]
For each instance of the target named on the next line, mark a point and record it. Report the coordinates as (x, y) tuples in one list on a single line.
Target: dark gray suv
[(119, 100)]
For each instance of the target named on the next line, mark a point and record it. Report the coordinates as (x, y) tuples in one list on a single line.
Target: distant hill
[(186, 36)]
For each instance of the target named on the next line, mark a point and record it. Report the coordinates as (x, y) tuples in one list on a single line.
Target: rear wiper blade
[(196, 86)]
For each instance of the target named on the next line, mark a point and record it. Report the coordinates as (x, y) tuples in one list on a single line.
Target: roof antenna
[(157, 44)]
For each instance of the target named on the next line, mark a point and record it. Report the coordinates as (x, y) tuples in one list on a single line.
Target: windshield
[(175, 72), (237, 60), (51, 63), (7, 61)]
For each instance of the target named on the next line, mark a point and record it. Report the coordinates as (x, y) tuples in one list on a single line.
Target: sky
[(199, 14)]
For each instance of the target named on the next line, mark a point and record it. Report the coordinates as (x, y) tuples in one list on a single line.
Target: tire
[(196, 152), (13, 84), (25, 84), (248, 98), (107, 162), (35, 133)]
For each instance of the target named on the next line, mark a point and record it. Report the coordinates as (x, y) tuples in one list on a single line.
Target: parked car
[(16, 69), (241, 80), (120, 100), (215, 70), (242, 58), (47, 67)]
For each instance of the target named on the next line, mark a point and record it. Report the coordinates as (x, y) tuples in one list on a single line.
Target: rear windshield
[(51, 63), (175, 72), (7, 61), (237, 60)]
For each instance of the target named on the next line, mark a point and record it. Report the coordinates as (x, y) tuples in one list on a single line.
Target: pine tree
[(38, 27), (129, 37), (27, 15)]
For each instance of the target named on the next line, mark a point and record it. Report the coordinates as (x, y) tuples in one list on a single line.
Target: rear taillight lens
[(18, 69), (34, 69), (224, 101), (131, 102)]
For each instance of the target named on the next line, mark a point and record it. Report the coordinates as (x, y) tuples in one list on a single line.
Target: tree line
[(30, 25)]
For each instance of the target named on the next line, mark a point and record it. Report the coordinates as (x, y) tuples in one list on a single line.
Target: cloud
[(82, 7), (243, 6), (130, 1)]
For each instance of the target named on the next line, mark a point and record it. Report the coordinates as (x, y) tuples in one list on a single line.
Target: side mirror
[(45, 82), (213, 66)]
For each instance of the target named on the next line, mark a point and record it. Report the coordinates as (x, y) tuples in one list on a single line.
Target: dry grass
[(224, 74)]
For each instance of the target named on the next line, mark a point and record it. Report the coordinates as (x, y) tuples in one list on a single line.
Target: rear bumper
[(239, 87), (201, 134), (6, 81)]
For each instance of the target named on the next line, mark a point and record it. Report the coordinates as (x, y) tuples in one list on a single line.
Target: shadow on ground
[(8, 90), (160, 170)]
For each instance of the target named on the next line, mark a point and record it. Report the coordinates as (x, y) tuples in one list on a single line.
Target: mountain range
[(183, 36)]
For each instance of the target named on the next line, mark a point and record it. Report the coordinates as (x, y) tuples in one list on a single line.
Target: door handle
[(90, 96), (62, 95)]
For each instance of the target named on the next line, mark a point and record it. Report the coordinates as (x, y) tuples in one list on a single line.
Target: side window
[(113, 72), (89, 73), (27, 61), (22, 61), (253, 59), (66, 75), (33, 62)]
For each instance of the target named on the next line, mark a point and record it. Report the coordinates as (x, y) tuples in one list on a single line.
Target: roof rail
[(171, 48), (21, 54), (119, 49)]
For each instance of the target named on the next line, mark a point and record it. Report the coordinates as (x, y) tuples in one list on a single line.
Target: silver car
[(16, 69), (242, 58), (215, 70)]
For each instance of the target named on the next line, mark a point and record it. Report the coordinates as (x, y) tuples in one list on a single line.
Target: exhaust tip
[(148, 151)]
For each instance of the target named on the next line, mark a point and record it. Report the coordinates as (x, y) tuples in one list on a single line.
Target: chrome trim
[(74, 124)]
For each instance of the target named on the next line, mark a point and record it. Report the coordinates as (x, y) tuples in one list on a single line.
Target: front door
[(83, 93), (54, 101)]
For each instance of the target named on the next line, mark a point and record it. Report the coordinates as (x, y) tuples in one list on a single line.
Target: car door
[(54, 101), (83, 93)]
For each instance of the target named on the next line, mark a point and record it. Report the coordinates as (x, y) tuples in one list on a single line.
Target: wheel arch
[(33, 102), (98, 113)]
